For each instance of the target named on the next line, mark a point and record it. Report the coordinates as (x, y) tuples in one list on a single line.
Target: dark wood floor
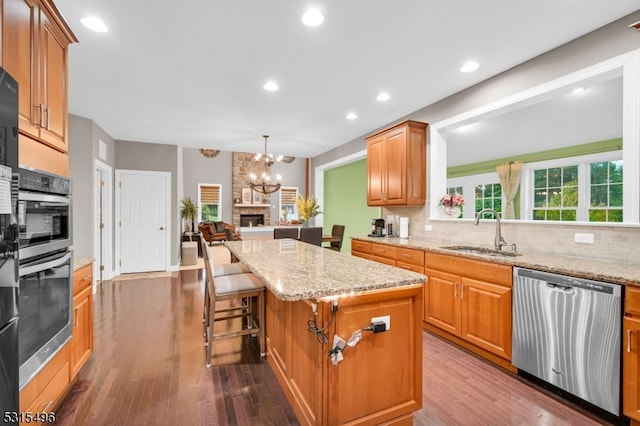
[(149, 368)]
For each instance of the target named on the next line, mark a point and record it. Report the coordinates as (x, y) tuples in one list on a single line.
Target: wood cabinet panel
[(632, 301), (411, 256), (360, 246), (410, 267), (383, 250), (471, 300), (82, 335), (631, 368), (491, 332), (441, 303), (35, 42), (396, 165), (82, 278)]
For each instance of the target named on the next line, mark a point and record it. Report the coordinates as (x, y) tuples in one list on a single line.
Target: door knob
[(162, 228)]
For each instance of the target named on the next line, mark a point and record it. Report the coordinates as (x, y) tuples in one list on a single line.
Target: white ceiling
[(191, 72)]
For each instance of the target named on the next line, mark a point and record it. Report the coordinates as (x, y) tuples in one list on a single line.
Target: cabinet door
[(53, 83), (486, 316), (20, 45), (82, 337), (441, 302), (396, 167), (631, 368), (375, 172)]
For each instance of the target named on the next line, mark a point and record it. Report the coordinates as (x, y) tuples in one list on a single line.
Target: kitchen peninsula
[(314, 294)]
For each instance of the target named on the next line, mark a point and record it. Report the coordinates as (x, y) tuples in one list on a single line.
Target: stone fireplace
[(243, 165)]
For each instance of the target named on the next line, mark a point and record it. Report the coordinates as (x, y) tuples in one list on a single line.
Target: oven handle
[(33, 196), (38, 267)]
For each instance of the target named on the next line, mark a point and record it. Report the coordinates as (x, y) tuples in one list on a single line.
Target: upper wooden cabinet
[(396, 165), (35, 42)]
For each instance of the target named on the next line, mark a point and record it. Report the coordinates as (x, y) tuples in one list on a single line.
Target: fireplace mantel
[(253, 205)]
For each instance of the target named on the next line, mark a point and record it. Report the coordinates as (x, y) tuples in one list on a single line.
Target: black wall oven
[(45, 269)]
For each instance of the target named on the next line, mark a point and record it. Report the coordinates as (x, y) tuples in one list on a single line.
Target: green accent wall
[(345, 201), (571, 151)]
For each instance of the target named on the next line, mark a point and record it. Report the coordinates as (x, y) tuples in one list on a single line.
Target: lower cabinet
[(82, 335), (631, 355), (44, 391), (402, 257), (471, 300)]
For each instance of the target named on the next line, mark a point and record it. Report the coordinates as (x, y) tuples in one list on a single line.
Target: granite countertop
[(618, 273), (293, 270), (79, 262)]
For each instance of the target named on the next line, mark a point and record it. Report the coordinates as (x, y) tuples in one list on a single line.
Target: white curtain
[(509, 174)]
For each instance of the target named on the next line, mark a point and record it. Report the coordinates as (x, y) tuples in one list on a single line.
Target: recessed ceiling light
[(578, 90), (351, 116), (469, 66), (271, 86), (383, 96), (94, 24), (312, 18)]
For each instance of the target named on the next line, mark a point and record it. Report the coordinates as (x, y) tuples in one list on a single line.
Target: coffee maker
[(377, 228)]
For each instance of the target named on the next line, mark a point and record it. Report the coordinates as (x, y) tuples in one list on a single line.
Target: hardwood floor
[(149, 368)]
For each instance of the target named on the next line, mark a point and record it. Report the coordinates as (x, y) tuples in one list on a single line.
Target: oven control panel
[(32, 180)]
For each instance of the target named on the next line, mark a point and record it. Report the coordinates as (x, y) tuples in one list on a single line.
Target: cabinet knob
[(162, 228)]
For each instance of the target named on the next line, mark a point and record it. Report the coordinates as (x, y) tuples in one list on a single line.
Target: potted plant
[(189, 212)]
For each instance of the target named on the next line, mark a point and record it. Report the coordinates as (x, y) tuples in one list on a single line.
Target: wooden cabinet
[(471, 300), (321, 393), (35, 42), (396, 165), (402, 257), (82, 335), (631, 355), (361, 249)]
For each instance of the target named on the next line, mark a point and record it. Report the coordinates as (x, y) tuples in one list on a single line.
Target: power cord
[(312, 324)]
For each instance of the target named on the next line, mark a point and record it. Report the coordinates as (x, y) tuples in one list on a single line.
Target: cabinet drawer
[(361, 246), (632, 301), (384, 250), (410, 267), (46, 401), (82, 278), (411, 256), (381, 259), (48, 378)]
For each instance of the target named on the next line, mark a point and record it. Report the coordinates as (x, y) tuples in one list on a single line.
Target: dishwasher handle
[(567, 281), (562, 288)]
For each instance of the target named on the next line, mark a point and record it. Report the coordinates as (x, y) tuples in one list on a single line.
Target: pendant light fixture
[(263, 183)]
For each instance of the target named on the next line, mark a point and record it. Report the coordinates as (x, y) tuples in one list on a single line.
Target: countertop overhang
[(617, 273), (293, 270)]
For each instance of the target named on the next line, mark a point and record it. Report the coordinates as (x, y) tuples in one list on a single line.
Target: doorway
[(103, 222)]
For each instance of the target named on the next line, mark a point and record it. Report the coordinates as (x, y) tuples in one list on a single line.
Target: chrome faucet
[(499, 241)]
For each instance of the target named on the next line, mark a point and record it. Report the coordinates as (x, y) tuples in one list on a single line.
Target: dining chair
[(311, 235), (337, 231), (289, 232), (238, 290)]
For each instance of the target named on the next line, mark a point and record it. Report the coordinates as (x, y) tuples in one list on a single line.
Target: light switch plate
[(583, 238), (428, 227)]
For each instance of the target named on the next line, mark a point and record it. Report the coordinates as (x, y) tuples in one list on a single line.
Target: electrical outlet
[(428, 228), (386, 319), (583, 238)]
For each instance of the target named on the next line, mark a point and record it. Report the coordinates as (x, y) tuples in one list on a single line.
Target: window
[(587, 188), (209, 202), (452, 190), (288, 210), (488, 196)]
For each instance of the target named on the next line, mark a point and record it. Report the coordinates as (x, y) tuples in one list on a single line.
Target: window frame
[(220, 198), (584, 181), (280, 204)]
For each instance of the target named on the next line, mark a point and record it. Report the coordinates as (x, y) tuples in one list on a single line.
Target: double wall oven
[(45, 269)]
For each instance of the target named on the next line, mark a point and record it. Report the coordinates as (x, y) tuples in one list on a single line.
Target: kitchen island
[(314, 294)]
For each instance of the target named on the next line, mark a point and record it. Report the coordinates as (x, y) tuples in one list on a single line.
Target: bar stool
[(234, 287)]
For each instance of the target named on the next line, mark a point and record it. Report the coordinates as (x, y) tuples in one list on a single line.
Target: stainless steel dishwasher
[(566, 331)]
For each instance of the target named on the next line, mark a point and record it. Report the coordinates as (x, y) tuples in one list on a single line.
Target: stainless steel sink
[(482, 250)]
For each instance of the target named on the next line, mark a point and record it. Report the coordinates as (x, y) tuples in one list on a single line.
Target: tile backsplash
[(610, 243)]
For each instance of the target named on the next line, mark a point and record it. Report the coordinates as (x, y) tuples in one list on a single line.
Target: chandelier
[(264, 184)]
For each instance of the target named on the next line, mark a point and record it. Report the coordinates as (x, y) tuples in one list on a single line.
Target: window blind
[(210, 194)]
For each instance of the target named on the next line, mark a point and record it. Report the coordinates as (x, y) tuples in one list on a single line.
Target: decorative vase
[(452, 211), (305, 223)]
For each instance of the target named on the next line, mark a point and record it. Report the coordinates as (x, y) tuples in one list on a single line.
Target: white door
[(103, 222), (143, 218)]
